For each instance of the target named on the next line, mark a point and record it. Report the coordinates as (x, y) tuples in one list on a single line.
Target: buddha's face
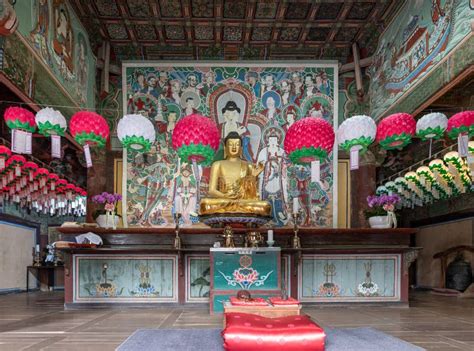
[(233, 147)]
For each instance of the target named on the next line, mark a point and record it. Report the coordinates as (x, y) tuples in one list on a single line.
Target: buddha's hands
[(257, 169)]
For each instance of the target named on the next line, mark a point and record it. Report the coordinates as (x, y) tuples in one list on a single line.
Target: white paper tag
[(87, 154), (55, 146), (2, 163), (354, 159), (470, 159), (19, 141), (463, 141), (28, 144), (316, 171)]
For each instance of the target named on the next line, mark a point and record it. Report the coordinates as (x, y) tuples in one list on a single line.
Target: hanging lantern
[(431, 126), (355, 134), (308, 140), (403, 189), (51, 123), (196, 139), (89, 129), (22, 123), (30, 168), (416, 187), (461, 126), (381, 190), (70, 189), (52, 179), (458, 169), (396, 131), (16, 163), (136, 133), (41, 175), (442, 174), (5, 153)]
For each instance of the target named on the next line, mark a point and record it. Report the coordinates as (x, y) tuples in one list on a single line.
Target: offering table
[(140, 265)]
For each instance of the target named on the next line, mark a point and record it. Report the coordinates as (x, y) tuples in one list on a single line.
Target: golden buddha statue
[(233, 184)]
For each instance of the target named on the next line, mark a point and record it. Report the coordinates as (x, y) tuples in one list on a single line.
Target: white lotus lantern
[(431, 126), (52, 123), (136, 133), (355, 134)]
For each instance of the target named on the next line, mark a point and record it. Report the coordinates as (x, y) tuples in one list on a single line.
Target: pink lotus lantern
[(196, 139), (89, 129), (308, 140), (22, 123), (15, 163), (41, 175), (5, 153), (396, 131), (70, 190), (52, 180), (461, 126), (30, 168)]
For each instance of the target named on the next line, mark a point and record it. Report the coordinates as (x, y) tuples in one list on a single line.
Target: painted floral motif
[(117, 31), (290, 34), (297, 10), (318, 34), (266, 9), (107, 7), (232, 33), (328, 290), (202, 8), (139, 8), (261, 33), (234, 9), (174, 32), (368, 288), (145, 288), (145, 32), (204, 32), (170, 8), (246, 277), (329, 10)]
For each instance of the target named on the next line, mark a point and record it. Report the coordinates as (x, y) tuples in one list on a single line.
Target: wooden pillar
[(96, 180), (363, 184)]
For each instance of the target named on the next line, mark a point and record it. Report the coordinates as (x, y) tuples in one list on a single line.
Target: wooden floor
[(37, 321)]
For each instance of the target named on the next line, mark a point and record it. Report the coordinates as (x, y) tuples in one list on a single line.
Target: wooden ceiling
[(235, 29)]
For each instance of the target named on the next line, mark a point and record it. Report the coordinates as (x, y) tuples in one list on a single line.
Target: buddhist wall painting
[(423, 34), (258, 101)]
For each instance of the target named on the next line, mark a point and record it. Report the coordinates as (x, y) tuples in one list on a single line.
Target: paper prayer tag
[(28, 144), (463, 141), (316, 171), (87, 154), (55, 146), (354, 159)]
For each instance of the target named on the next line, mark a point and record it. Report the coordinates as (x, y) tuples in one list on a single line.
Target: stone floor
[(37, 321)]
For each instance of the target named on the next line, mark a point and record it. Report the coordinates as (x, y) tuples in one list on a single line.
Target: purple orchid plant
[(110, 201), (380, 205)]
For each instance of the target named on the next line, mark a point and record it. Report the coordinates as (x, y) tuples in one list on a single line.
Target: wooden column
[(96, 180), (363, 184)]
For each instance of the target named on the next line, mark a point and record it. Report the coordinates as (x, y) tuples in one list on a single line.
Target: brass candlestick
[(177, 239), (296, 240), (36, 258), (228, 237)]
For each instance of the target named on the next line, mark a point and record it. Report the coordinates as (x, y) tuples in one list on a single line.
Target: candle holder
[(296, 240), (228, 237), (177, 239), (36, 258)]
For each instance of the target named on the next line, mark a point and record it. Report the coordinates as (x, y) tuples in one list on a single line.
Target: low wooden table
[(269, 311)]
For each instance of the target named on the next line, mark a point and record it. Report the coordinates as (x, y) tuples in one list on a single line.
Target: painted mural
[(349, 278), (260, 102), (421, 35), (139, 278), (53, 31)]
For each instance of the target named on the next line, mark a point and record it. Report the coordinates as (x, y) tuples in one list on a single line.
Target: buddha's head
[(233, 145)]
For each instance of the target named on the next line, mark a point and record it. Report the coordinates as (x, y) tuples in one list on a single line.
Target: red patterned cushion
[(257, 301), (249, 332), (278, 301)]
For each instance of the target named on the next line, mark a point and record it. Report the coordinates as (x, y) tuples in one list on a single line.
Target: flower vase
[(108, 221), (383, 222)]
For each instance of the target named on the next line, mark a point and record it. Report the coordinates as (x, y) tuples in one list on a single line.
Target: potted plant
[(381, 211), (107, 217)]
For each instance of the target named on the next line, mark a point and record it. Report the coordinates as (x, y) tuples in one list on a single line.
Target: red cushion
[(249, 332), (257, 301), (278, 301)]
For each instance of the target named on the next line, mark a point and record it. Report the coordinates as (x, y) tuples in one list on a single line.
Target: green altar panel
[(248, 269), (131, 278), (346, 278), (198, 278)]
